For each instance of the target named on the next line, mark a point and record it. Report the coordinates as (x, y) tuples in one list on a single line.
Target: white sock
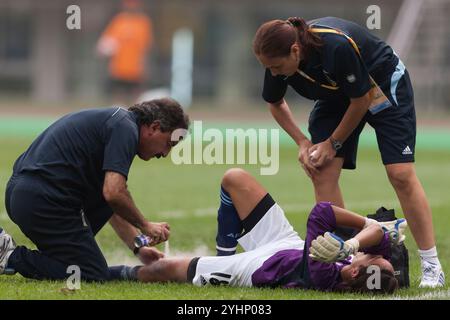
[(430, 255)]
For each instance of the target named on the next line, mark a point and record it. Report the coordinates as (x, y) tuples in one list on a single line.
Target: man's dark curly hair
[(166, 110)]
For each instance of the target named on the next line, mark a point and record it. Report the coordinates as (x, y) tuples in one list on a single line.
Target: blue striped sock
[(229, 225), (125, 273)]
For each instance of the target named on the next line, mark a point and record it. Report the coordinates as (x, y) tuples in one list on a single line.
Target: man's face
[(153, 142), (351, 271)]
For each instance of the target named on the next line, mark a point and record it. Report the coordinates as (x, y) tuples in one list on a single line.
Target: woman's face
[(351, 271), (282, 66)]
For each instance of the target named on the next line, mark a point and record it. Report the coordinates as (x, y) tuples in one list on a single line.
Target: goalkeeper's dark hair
[(388, 282), (167, 111)]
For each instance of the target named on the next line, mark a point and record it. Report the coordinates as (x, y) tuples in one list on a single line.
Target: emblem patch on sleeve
[(351, 78)]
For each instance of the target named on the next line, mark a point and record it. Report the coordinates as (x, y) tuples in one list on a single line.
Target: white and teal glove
[(395, 229), (330, 248)]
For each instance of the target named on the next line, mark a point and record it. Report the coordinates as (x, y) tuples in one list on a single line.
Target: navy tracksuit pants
[(63, 234)]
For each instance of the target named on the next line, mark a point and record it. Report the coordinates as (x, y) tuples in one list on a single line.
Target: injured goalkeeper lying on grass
[(276, 256)]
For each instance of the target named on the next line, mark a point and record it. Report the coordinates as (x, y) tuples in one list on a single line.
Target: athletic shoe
[(432, 275), (7, 246)]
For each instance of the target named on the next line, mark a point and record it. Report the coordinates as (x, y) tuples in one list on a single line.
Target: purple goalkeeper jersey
[(323, 276)]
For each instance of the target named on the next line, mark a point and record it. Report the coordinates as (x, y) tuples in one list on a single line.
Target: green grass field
[(187, 197)]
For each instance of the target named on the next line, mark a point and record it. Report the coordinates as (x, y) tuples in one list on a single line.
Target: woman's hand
[(321, 153), (303, 157)]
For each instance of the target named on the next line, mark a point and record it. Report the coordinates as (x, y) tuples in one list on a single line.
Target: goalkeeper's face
[(362, 260)]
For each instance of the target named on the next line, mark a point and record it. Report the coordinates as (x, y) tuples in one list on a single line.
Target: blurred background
[(46, 66), (200, 52)]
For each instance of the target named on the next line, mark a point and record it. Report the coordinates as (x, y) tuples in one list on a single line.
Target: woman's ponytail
[(275, 38), (306, 38)]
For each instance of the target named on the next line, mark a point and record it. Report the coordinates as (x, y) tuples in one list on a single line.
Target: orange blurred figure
[(126, 40)]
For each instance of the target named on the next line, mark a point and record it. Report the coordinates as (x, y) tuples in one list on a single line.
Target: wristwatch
[(136, 250), (336, 144)]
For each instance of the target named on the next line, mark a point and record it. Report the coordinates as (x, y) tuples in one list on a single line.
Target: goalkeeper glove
[(330, 248), (395, 229)]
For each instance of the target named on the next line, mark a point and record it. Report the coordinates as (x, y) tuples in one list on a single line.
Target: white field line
[(432, 295), (300, 207), (122, 256)]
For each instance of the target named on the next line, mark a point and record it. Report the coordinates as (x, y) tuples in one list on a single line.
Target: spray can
[(141, 241)]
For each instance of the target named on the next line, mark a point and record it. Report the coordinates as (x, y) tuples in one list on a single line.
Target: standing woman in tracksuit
[(354, 78)]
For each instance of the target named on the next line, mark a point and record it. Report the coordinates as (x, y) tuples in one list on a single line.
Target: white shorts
[(271, 234)]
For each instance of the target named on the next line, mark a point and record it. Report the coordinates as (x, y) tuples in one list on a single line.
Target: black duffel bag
[(400, 257)]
